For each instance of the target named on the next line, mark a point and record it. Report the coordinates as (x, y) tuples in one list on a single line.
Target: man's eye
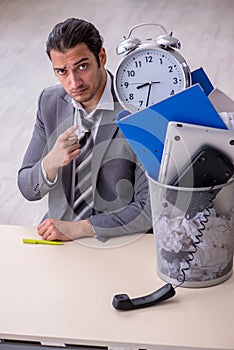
[(83, 66), (60, 72)]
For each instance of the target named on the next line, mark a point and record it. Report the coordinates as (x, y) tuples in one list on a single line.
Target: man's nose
[(74, 80)]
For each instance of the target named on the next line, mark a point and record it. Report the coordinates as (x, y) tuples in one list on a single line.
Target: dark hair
[(71, 32)]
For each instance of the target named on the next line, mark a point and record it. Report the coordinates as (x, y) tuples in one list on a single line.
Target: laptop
[(183, 140)]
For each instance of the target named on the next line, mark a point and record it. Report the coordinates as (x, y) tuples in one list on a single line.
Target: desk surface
[(63, 295)]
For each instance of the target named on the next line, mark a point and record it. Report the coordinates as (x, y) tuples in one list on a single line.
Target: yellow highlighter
[(40, 241)]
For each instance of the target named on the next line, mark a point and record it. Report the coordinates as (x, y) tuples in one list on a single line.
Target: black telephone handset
[(209, 167), (124, 303)]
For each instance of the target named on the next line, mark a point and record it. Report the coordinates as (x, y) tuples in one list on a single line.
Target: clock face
[(149, 75)]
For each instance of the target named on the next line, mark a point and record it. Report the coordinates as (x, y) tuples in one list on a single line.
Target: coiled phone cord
[(206, 213)]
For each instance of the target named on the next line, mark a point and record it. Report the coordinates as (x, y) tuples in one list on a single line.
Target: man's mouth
[(79, 92)]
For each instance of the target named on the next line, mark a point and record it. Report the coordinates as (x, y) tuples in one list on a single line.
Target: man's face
[(77, 70)]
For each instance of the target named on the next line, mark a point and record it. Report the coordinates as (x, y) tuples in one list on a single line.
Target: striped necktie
[(83, 201)]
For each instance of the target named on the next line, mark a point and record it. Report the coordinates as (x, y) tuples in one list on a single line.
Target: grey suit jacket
[(121, 197)]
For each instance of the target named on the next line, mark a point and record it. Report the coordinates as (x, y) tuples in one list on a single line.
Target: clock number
[(138, 64), (172, 92), (175, 80), (141, 103), (126, 84), (170, 68), (131, 96), (131, 73), (148, 59), (160, 60)]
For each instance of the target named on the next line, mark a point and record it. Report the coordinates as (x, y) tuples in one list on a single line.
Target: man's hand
[(53, 229), (65, 149)]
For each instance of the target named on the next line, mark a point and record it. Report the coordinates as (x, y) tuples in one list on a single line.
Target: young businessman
[(77, 154)]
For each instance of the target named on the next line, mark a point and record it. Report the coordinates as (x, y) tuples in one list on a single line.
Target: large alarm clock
[(151, 72)]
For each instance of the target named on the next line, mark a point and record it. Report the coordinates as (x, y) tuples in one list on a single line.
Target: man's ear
[(102, 56)]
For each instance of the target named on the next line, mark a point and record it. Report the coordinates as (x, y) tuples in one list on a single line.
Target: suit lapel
[(106, 132), (65, 113)]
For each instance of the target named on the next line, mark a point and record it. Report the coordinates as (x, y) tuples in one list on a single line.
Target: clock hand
[(142, 85), (147, 102), (133, 83), (148, 83)]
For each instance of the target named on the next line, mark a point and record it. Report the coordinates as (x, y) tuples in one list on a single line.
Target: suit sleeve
[(31, 181)]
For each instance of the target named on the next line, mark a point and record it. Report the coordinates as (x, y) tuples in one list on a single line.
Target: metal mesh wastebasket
[(194, 233)]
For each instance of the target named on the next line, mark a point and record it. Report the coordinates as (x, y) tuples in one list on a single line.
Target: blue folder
[(146, 129), (199, 76)]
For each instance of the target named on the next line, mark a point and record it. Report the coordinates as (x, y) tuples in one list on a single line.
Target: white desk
[(63, 295)]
